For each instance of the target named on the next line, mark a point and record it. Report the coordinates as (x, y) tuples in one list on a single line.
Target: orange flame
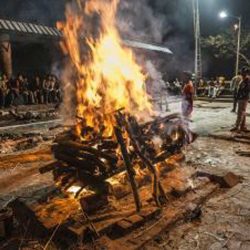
[(109, 79)]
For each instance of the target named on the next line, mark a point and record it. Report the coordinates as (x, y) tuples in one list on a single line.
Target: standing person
[(187, 95), (234, 87), (242, 97), (4, 81)]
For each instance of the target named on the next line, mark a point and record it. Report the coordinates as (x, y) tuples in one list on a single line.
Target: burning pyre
[(106, 73), (111, 144)]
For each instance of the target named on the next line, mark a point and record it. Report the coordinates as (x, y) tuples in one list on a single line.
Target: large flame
[(107, 76)]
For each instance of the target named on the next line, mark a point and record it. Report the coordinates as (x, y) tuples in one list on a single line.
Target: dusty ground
[(225, 221)]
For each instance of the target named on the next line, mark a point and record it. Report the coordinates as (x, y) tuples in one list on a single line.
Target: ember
[(115, 146), (111, 145), (107, 165)]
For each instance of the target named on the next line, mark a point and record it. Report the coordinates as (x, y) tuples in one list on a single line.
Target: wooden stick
[(130, 170), (157, 187)]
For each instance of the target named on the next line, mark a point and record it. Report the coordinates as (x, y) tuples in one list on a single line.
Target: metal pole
[(196, 38), (197, 61), (238, 48)]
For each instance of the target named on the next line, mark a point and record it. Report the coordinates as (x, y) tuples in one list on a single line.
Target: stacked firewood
[(89, 163)]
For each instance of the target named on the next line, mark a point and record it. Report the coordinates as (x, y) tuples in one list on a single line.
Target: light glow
[(223, 14)]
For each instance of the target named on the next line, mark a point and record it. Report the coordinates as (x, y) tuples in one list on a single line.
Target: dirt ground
[(225, 220)]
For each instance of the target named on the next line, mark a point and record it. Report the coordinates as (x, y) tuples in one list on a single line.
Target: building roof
[(147, 46), (18, 30), (23, 28)]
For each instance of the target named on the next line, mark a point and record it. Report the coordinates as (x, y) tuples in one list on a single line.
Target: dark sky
[(176, 12), (166, 22), (209, 9)]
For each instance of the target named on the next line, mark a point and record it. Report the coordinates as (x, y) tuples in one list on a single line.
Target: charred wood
[(130, 170), (157, 187), (78, 146)]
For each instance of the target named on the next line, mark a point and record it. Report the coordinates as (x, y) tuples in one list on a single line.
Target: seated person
[(58, 92), (27, 95), (37, 90), (46, 89), (14, 93)]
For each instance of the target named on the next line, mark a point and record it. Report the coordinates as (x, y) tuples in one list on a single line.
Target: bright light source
[(223, 14), (236, 26)]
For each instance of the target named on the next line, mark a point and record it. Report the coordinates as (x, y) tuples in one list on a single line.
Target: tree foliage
[(224, 46)]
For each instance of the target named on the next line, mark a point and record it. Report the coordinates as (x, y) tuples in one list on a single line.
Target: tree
[(223, 46)]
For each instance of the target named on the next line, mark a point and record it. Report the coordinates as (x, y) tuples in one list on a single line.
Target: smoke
[(137, 20), (68, 110), (46, 12), (156, 83), (165, 22), (168, 23)]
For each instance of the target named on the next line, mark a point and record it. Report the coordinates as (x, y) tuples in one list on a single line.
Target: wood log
[(81, 156), (243, 153), (77, 146), (65, 178), (86, 165), (129, 167), (157, 187), (63, 169), (108, 144)]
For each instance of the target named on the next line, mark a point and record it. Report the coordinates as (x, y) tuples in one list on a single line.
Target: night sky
[(177, 13), (166, 22)]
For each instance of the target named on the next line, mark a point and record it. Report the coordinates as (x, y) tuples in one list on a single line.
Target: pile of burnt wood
[(90, 163)]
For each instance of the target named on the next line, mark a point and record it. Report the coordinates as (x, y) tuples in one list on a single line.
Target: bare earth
[(225, 220)]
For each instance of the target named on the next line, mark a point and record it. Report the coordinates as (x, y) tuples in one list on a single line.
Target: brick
[(135, 219), (120, 228), (124, 225), (149, 214), (93, 202), (231, 180)]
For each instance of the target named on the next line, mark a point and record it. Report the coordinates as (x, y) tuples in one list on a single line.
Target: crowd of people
[(211, 88), (22, 90), (240, 86), (174, 87)]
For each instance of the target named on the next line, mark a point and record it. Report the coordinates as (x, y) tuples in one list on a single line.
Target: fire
[(107, 75), (74, 189)]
